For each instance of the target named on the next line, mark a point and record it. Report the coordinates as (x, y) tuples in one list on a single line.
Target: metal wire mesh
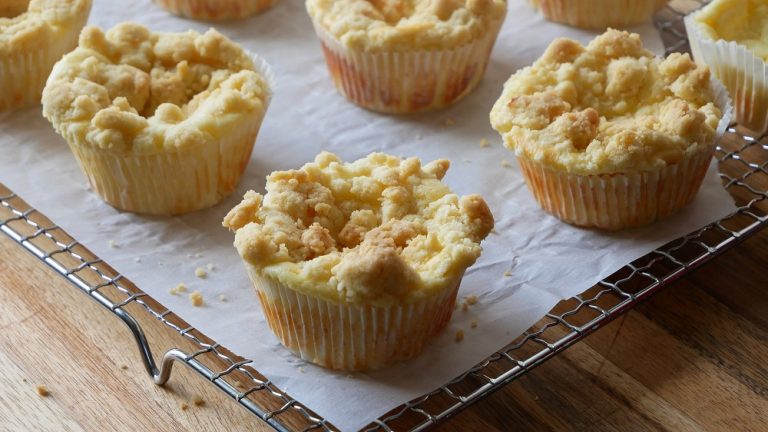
[(743, 169)]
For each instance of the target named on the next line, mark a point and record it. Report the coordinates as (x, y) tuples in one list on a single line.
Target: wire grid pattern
[(744, 170)]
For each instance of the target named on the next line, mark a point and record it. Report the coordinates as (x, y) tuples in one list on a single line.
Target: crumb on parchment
[(201, 273), (506, 164), (196, 297), (473, 324), (484, 142), (459, 335), (180, 288)]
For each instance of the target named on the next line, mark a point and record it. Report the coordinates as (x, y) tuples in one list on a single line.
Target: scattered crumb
[(484, 143), (210, 267), (301, 369), (473, 324), (23, 380), (124, 367), (184, 406), (459, 335), (507, 273), (198, 401), (201, 273), (137, 259), (196, 298), (506, 164), (464, 306), (450, 122), (471, 300), (222, 298), (42, 391), (180, 288), (113, 244)]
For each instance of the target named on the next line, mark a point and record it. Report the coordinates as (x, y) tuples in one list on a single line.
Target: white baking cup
[(599, 14), (351, 337), (174, 181), (407, 81), (215, 10), (743, 73), (23, 74), (618, 201)]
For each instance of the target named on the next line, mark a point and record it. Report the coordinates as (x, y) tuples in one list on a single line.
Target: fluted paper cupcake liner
[(215, 10), (407, 81), (351, 337), (624, 200), (599, 14), (23, 75), (743, 73), (173, 181)]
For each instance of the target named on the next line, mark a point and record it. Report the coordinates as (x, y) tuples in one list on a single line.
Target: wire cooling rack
[(743, 169)]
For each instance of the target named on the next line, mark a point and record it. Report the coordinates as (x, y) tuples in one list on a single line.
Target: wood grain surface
[(694, 357)]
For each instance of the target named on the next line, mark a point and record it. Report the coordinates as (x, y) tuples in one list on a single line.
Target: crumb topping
[(25, 24), (608, 107), (407, 24), (742, 21), (131, 89), (373, 231)]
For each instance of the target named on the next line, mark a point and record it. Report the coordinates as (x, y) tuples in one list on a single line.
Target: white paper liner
[(351, 337), (743, 73), (215, 10), (407, 81), (599, 14), (23, 75), (618, 201), (172, 182)]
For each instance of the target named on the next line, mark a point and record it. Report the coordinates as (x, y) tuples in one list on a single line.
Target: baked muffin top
[(379, 230), (407, 24), (742, 21), (133, 90), (27, 24), (606, 108)]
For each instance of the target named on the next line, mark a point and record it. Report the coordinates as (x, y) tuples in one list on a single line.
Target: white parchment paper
[(548, 260)]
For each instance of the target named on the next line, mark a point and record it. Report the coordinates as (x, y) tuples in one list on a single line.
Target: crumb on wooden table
[(42, 391), (459, 335), (484, 142), (201, 273), (198, 400), (124, 367), (196, 297), (184, 406), (180, 288)]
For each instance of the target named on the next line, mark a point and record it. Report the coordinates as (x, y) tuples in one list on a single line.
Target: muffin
[(609, 136), (34, 34), (215, 10), (731, 37), (599, 14), (406, 56), (357, 265), (160, 123)]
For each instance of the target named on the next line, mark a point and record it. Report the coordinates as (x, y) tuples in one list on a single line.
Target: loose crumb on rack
[(507, 273), (196, 297), (201, 273), (450, 122), (184, 406), (180, 288), (473, 324), (198, 400), (484, 142), (42, 391), (459, 335), (506, 164), (222, 298), (113, 244)]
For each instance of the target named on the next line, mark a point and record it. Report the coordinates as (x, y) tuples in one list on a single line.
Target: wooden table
[(694, 357)]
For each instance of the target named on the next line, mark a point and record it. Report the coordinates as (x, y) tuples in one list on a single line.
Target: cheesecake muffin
[(402, 56), (34, 34), (731, 37), (599, 14), (215, 10), (357, 265), (160, 123), (609, 136)]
